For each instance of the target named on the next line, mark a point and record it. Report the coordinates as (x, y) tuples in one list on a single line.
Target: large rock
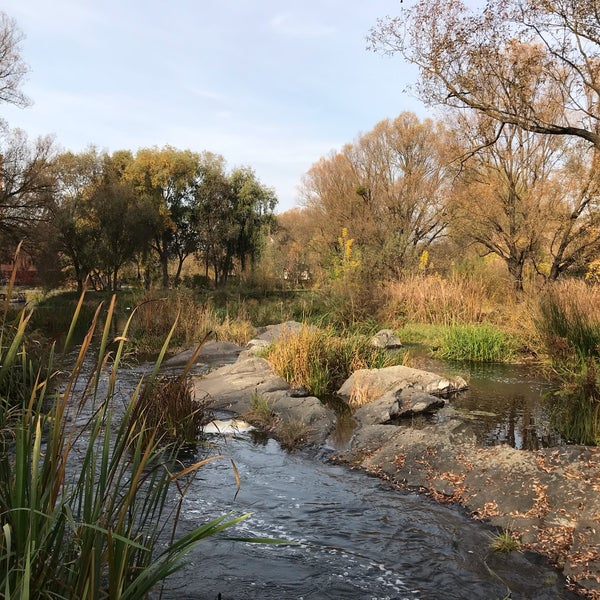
[(371, 384), (396, 405), (233, 387)]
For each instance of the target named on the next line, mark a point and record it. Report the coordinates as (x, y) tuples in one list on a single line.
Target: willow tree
[(388, 189), (168, 177)]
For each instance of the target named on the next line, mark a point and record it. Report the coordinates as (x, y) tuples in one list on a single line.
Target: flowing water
[(354, 537), (350, 536)]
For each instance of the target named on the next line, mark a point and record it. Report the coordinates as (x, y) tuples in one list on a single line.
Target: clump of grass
[(363, 393), (505, 542), (481, 343), (321, 361), (575, 407), (292, 434), (166, 410), (260, 412), (568, 323)]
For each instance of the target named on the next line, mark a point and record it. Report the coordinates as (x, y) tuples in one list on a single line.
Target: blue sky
[(273, 85)]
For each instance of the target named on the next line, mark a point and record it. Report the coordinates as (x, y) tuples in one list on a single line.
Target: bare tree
[(506, 61), (388, 188), (12, 67)]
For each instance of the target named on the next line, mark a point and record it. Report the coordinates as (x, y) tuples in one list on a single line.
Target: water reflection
[(504, 402)]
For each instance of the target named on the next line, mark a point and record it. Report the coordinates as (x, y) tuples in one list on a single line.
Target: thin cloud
[(291, 25)]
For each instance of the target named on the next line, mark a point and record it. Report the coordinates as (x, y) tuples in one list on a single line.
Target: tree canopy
[(506, 60)]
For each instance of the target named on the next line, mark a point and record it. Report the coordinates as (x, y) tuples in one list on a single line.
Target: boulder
[(386, 339), (374, 383)]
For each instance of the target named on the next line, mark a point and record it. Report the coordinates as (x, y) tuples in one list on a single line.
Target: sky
[(273, 85)]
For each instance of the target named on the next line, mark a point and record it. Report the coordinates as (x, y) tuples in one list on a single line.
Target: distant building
[(27, 273)]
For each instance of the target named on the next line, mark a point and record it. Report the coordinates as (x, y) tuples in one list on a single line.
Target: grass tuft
[(505, 542), (321, 361), (481, 343)]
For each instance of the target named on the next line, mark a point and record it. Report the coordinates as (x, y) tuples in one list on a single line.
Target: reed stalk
[(90, 510)]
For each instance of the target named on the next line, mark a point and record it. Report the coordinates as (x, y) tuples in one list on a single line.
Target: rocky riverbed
[(549, 498)]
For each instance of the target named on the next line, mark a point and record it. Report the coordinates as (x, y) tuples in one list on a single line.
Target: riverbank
[(548, 498)]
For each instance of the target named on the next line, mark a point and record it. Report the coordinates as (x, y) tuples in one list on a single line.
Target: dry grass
[(364, 392), (155, 316), (432, 299), (321, 361), (167, 411), (292, 434)]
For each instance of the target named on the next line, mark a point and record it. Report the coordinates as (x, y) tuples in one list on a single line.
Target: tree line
[(511, 169), (86, 215)]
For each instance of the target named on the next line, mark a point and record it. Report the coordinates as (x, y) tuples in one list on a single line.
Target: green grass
[(570, 329), (505, 542), (481, 343), (575, 406)]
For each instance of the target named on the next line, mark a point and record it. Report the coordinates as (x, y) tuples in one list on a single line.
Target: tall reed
[(436, 300), (88, 511), (321, 361), (568, 324)]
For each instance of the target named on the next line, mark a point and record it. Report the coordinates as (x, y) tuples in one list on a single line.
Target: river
[(354, 537), (351, 536)]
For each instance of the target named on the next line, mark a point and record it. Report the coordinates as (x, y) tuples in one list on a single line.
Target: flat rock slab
[(211, 353), (550, 497), (233, 387)]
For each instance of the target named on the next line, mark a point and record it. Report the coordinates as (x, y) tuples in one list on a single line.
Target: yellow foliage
[(593, 272), (348, 260)]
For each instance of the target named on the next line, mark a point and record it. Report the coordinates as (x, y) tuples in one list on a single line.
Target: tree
[(75, 226), (252, 215), (12, 67), (234, 213), (506, 61), (572, 217), (125, 222), (213, 199), (168, 178), (504, 190), (388, 189), (26, 185)]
